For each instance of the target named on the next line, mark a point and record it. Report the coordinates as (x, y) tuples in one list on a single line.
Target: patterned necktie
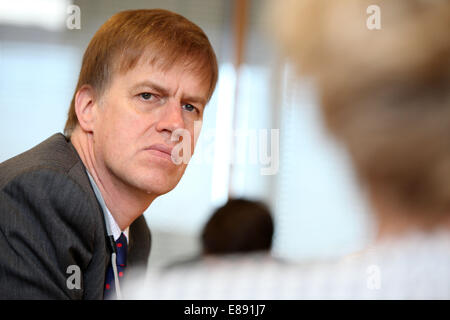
[(121, 261)]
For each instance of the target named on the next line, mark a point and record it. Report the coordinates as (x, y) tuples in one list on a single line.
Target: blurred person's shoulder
[(223, 263), (415, 265)]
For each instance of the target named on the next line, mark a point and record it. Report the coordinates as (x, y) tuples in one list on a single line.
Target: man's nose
[(171, 118)]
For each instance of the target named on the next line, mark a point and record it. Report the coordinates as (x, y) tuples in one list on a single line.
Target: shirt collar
[(115, 229)]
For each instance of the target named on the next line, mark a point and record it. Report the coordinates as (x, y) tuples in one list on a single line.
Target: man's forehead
[(159, 63)]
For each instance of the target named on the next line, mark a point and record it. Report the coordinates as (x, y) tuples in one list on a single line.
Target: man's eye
[(189, 107), (146, 96)]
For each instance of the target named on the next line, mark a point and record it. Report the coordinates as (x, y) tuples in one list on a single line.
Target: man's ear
[(85, 105)]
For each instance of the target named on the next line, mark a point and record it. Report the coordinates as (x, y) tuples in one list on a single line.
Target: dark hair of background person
[(240, 226)]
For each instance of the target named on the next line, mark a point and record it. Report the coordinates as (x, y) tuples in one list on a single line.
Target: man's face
[(135, 120)]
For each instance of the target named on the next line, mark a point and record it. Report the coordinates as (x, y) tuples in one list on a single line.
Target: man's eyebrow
[(165, 91), (152, 85), (195, 100)]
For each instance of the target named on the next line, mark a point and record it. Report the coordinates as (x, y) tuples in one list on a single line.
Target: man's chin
[(153, 180), (158, 186), (158, 192)]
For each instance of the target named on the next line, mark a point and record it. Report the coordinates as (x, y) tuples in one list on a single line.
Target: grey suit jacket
[(51, 225)]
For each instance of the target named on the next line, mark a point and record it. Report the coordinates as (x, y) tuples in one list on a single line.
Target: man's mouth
[(161, 150)]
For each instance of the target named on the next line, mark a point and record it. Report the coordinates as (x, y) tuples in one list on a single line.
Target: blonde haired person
[(382, 73)]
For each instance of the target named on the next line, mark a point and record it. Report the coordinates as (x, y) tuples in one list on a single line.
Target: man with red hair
[(145, 75)]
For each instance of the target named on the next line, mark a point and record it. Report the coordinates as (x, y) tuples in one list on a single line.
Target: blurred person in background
[(384, 94), (236, 242), (68, 203), (239, 226)]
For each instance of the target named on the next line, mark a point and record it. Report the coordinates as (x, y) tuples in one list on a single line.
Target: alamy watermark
[(74, 279), (374, 277), (73, 21), (251, 147), (373, 22)]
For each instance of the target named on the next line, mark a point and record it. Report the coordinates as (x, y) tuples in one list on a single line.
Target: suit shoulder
[(55, 153), (47, 223), (50, 171)]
